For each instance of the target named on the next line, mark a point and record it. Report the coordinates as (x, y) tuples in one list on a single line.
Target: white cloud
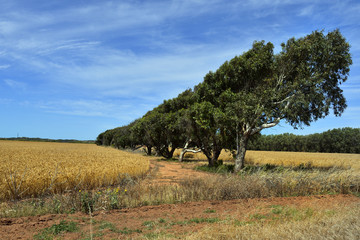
[(141, 49)]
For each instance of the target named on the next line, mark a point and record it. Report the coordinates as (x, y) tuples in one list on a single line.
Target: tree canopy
[(251, 92)]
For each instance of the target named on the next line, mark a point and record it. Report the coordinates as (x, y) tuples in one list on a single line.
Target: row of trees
[(245, 95), (340, 140)]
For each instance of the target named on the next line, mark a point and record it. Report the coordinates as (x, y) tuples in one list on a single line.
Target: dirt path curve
[(170, 172)]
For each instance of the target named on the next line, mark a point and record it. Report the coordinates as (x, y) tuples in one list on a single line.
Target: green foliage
[(88, 201), (340, 140)]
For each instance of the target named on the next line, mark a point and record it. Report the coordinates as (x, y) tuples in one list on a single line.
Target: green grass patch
[(107, 225), (196, 220), (149, 224), (276, 209), (57, 229), (204, 220), (258, 216), (210, 210), (112, 228)]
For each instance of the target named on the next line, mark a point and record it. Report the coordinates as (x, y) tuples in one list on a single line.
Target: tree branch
[(265, 125), (280, 79), (288, 98)]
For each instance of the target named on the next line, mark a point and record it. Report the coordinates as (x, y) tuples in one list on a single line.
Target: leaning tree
[(299, 85)]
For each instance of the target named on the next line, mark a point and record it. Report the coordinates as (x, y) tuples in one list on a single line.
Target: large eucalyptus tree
[(300, 85)]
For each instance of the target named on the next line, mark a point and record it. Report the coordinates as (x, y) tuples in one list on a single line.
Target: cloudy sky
[(71, 69)]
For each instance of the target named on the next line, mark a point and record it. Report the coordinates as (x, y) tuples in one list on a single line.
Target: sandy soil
[(169, 219), (168, 172)]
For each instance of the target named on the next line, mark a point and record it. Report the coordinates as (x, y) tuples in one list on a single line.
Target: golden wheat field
[(34, 168), (290, 158)]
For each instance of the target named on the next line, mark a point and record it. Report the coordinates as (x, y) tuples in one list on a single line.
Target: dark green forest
[(249, 93), (339, 140)]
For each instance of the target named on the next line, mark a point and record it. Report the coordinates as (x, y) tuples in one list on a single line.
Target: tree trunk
[(214, 157), (182, 154), (171, 153), (166, 153), (212, 161), (185, 150), (148, 151), (207, 153), (241, 151)]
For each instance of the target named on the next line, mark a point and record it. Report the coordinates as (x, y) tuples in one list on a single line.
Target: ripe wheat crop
[(291, 159), (296, 158), (29, 169)]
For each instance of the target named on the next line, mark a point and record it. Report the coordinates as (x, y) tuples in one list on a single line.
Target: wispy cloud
[(15, 84), (351, 113), (306, 11), (119, 59), (4, 66), (93, 108)]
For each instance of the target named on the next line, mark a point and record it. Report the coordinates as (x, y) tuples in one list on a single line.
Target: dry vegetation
[(136, 193), (81, 171), (30, 169), (341, 223)]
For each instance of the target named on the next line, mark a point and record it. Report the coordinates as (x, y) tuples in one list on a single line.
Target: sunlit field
[(30, 169), (289, 158)]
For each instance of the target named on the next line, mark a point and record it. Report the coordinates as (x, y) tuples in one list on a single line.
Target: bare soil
[(169, 220), (170, 172)]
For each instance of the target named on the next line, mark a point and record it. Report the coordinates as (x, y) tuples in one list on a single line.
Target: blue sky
[(72, 69)]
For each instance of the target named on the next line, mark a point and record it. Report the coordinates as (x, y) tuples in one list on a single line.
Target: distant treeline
[(340, 140), (47, 140)]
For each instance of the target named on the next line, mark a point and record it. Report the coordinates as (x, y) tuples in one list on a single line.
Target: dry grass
[(342, 223), (135, 193), (30, 169), (289, 158)]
